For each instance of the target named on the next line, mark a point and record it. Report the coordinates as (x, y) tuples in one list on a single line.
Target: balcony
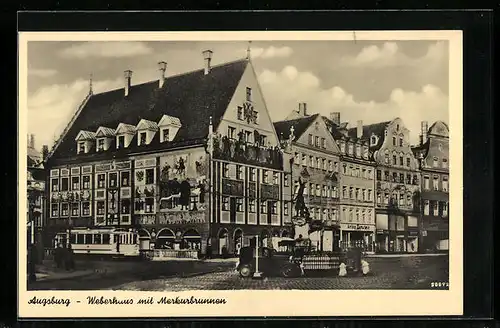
[(242, 152)]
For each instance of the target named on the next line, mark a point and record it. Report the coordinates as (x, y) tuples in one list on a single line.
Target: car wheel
[(290, 271), (245, 271)]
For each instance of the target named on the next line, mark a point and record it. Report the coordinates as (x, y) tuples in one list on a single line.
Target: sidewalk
[(48, 272)]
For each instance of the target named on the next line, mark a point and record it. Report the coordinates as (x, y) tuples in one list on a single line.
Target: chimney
[(162, 66), (31, 141), (303, 109), (45, 152), (423, 134), (207, 55), (359, 130), (128, 78), (335, 117)]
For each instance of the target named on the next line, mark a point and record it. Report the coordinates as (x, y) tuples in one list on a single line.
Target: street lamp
[(257, 274)]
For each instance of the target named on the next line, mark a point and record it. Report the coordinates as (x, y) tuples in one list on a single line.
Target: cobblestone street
[(413, 272)]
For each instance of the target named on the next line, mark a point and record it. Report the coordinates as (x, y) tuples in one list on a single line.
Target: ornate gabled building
[(356, 185), (397, 186), (433, 156), (316, 163), (191, 161)]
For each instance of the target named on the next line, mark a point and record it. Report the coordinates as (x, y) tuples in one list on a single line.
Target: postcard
[(212, 174)]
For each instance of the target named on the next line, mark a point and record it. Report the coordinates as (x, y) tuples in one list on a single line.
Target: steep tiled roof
[(369, 130), (192, 97), (334, 128), (300, 125), (147, 125), (85, 135), (107, 132), (125, 128)]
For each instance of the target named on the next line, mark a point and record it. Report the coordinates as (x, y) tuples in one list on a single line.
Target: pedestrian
[(58, 255), (71, 258), (209, 251), (224, 252), (31, 264)]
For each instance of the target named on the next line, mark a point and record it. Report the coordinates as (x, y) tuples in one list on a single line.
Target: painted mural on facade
[(183, 181)]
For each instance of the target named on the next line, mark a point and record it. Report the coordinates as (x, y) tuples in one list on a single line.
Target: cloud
[(283, 91), (389, 54), (50, 108), (110, 49), (42, 72), (271, 52)]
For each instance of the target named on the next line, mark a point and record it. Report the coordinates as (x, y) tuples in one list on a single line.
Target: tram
[(101, 241)]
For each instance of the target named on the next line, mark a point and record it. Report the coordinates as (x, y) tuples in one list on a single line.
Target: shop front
[(357, 235)]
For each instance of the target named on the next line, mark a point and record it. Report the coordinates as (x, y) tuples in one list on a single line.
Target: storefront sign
[(145, 162), (183, 217), (102, 167), (355, 226)]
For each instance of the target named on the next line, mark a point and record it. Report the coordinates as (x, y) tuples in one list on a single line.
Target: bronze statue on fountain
[(301, 209)]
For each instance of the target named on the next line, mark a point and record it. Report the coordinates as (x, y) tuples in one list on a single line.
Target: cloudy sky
[(371, 81)]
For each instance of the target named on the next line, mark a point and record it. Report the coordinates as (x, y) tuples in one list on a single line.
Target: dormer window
[(142, 138), (342, 147), (358, 151), (373, 141), (165, 135), (81, 147), (351, 149), (121, 142), (249, 94), (100, 144)]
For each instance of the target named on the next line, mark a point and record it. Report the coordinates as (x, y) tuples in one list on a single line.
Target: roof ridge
[(173, 76)]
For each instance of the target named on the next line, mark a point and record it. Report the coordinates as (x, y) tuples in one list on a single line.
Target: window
[(379, 175), (325, 191), (351, 149), (86, 182), (387, 176), (75, 209), (276, 178), (415, 179), (408, 162), (330, 166), (369, 176), (248, 136), (342, 147), (357, 194), (435, 162), (426, 182), (444, 163), (231, 132), (166, 135), (263, 207), (408, 200), (426, 207), (125, 206), (251, 205), (351, 192), (394, 141), (121, 142), (100, 207), (304, 160), (358, 151), (81, 147), (401, 199), (75, 183), (386, 159), (285, 209), (265, 177), (225, 203), (54, 210), (394, 177), (379, 198), (386, 198), (85, 208), (239, 172), (401, 161), (445, 209), (445, 183), (263, 140), (318, 190), (249, 94), (113, 180), (369, 194), (323, 143), (435, 183), (64, 209), (365, 152), (274, 207), (344, 192), (286, 179), (401, 178), (310, 139), (142, 138), (64, 184), (252, 174), (297, 158), (55, 184), (373, 140), (311, 161), (408, 178), (240, 113), (239, 204), (394, 160), (150, 176), (149, 205), (435, 208), (316, 141), (363, 194), (125, 179), (344, 169), (100, 144)]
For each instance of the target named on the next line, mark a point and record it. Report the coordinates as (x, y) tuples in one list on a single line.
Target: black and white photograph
[(253, 164)]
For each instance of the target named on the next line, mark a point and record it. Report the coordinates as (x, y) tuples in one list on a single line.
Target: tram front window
[(106, 238)]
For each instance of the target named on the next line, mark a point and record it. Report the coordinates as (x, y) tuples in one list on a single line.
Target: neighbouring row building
[(193, 161)]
